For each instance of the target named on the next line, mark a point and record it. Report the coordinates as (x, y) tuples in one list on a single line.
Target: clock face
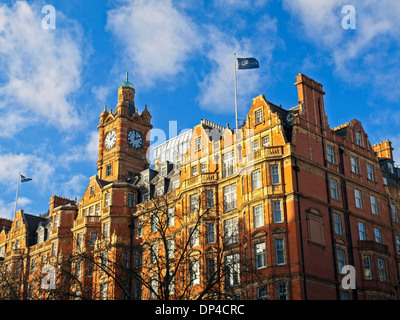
[(135, 139), (111, 137)]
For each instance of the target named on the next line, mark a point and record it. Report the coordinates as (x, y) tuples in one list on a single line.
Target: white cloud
[(7, 209), (34, 167), (156, 36), (40, 69), (361, 56), (217, 89), (74, 186)]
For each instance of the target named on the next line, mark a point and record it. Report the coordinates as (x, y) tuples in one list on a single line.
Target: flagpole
[(16, 197), (236, 108)]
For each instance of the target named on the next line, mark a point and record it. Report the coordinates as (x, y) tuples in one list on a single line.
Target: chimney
[(311, 101), (384, 150)]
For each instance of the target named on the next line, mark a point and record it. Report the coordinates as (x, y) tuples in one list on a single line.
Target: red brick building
[(271, 210)]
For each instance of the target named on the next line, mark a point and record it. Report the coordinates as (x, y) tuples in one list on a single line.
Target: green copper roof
[(126, 83)]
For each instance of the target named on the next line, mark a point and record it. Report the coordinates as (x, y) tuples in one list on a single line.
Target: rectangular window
[(153, 287), (93, 237), (382, 270), (131, 199), (367, 267), (107, 199), (280, 251), (171, 248), (106, 229), (362, 231), (203, 167), (79, 240), (194, 202), (103, 291), (91, 211), (84, 212), (370, 172), (228, 164), (145, 195), (194, 171), (281, 291), (175, 184), (97, 209), (109, 170), (265, 141), (210, 198), (232, 267), (254, 145), (338, 223), (331, 154), (195, 272), (354, 165), (56, 221), (390, 167), (275, 174), (154, 254), (54, 249), (170, 217), (139, 228), (210, 232), (378, 235), (358, 198), (395, 215), (341, 259), (210, 268), (334, 189), (138, 257), (258, 216), (198, 144), (277, 210), (91, 190), (153, 222), (259, 252), (231, 231), (258, 116), (398, 244), (194, 237), (33, 265), (256, 179), (229, 197), (358, 139), (262, 293), (138, 290), (374, 205)]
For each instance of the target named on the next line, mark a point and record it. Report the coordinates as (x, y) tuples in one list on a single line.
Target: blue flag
[(247, 63), (24, 179)]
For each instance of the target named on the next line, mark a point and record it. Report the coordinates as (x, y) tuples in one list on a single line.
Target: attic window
[(358, 139), (198, 144), (163, 171), (258, 116), (92, 190)]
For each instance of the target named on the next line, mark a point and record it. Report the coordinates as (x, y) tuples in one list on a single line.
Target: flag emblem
[(25, 179), (247, 63)]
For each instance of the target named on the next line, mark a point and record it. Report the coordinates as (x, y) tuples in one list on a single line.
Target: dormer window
[(146, 178), (92, 190), (198, 144), (358, 139), (258, 116), (17, 224), (164, 171), (390, 167)]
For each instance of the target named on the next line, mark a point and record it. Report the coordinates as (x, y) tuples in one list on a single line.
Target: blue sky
[(54, 83)]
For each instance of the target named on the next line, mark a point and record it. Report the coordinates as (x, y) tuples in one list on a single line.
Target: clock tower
[(123, 141)]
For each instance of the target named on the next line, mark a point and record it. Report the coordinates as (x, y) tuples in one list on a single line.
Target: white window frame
[(275, 174), (374, 205), (256, 179), (277, 209), (260, 255), (358, 198), (258, 216)]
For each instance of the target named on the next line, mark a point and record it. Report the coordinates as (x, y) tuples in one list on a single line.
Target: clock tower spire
[(122, 137)]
